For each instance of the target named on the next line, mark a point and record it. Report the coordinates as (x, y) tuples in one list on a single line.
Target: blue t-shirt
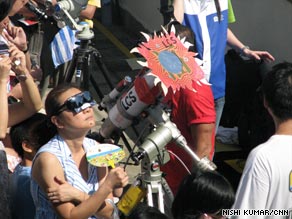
[(211, 38), (22, 206)]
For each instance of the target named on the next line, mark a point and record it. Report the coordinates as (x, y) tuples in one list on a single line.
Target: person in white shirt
[(265, 183)]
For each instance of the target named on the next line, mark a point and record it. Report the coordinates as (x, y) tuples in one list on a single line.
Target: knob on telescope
[(36, 10), (137, 157)]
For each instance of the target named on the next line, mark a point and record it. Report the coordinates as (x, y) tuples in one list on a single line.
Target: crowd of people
[(44, 170)]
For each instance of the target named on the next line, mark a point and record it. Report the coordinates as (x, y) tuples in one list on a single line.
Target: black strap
[(218, 9), (166, 9)]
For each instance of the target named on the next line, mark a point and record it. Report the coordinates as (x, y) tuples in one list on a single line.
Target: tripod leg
[(103, 68), (149, 195), (96, 88), (160, 199), (84, 65), (70, 70), (168, 195)]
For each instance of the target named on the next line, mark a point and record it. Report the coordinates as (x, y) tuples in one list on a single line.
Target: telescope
[(66, 12)]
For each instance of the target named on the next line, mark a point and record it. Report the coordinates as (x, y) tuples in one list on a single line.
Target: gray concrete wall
[(265, 25), (145, 12), (261, 24)]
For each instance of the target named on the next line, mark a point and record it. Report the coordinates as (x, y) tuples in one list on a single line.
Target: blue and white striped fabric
[(59, 148), (63, 45)]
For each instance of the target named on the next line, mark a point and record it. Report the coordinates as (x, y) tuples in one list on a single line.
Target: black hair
[(183, 31), (277, 90), (32, 130), (202, 192), (52, 100), (52, 104), (5, 7), (143, 211)]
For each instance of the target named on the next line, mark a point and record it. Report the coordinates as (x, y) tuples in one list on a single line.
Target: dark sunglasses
[(77, 103)]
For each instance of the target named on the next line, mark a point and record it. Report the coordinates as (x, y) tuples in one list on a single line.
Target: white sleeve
[(253, 188)]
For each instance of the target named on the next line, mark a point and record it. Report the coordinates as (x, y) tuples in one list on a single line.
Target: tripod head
[(166, 131), (66, 12)]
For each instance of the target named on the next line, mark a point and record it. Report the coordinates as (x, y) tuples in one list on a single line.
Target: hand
[(117, 178), (258, 55), (64, 193), (17, 36), (5, 66), (18, 60)]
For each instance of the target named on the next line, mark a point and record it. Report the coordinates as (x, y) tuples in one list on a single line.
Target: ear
[(26, 147), (57, 121), (265, 103), (205, 216)]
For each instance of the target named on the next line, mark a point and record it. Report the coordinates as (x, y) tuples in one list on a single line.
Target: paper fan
[(104, 155)]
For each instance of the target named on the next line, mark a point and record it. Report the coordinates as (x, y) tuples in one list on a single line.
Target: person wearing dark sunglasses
[(63, 160)]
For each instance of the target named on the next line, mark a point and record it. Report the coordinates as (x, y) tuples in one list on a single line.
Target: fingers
[(7, 36), (17, 57), (5, 66), (13, 31), (262, 55), (121, 177), (54, 197)]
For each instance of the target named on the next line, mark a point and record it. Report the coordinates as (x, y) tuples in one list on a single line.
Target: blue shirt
[(22, 206), (59, 148), (211, 38)]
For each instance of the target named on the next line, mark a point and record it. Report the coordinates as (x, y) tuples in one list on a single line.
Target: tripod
[(152, 154), (80, 64)]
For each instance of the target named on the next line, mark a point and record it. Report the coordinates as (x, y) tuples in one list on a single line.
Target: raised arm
[(17, 36), (31, 101), (178, 6), (5, 66)]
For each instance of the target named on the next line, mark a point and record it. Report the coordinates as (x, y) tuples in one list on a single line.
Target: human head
[(9, 8), (5, 7), (17, 5), (182, 31), (202, 195), (277, 91), (143, 211), (29, 135), (63, 101)]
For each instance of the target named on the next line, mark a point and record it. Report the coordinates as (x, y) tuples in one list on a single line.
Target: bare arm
[(178, 6), (31, 101), (88, 12), (5, 66), (203, 138), (45, 178), (235, 43), (67, 193)]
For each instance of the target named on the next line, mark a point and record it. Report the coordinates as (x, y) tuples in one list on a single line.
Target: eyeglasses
[(77, 103)]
